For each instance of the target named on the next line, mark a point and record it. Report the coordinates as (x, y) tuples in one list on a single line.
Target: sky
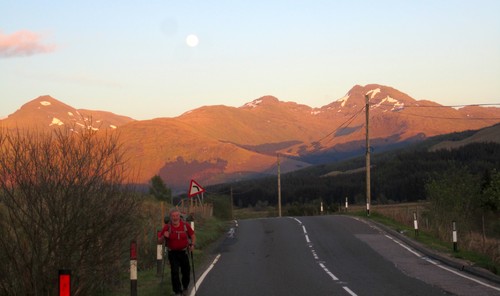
[(161, 58)]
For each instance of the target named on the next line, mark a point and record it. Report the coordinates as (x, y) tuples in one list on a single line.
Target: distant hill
[(217, 144), (398, 175), (485, 135)]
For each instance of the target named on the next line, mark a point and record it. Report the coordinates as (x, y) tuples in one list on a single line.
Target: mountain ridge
[(46, 111), (216, 144)]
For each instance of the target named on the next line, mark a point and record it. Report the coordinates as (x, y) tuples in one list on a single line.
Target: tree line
[(395, 177)]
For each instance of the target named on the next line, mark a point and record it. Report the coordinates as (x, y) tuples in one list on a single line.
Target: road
[(326, 255)]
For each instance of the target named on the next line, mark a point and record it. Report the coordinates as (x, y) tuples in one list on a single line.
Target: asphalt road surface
[(326, 255)]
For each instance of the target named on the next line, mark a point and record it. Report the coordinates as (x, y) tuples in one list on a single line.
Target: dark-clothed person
[(179, 238)]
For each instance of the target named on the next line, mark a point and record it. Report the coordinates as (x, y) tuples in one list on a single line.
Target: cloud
[(22, 43)]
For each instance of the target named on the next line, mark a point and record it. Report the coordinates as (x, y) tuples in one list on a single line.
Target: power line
[(346, 123), (442, 106), (453, 118), (445, 106), (341, 126), (456, 106)]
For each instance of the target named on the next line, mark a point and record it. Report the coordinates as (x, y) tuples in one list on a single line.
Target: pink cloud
[(22, 43)]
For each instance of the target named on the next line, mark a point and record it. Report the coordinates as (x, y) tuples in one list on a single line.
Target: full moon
[(192, 40)]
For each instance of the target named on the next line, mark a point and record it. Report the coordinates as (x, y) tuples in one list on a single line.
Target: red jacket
[(179, 236)]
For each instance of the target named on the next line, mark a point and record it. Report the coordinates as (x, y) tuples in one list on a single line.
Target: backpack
[(167, 221)]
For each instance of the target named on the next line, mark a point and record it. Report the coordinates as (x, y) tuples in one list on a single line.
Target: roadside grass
[(432, 241), (247, 213), (149, 283), (208, 231)]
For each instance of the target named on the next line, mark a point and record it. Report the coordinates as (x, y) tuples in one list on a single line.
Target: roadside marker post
[(133, 268), (159, 256), (455, 238), (64, 282), (415, 223)]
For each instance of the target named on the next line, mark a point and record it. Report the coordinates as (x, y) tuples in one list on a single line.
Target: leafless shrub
[(63, 205)]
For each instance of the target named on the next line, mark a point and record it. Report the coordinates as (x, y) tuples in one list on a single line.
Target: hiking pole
[(165, 254), (192, 267)]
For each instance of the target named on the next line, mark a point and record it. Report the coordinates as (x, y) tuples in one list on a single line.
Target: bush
[(63, 206)]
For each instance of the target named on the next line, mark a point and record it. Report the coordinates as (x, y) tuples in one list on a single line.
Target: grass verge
[(150, 283), (433, 242)]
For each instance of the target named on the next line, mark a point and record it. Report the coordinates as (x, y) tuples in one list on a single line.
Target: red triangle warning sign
[(195, 188)]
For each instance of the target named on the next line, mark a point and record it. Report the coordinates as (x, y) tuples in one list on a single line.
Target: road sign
[(195, 188)]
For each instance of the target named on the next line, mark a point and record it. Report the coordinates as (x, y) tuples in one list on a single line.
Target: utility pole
[(279, 186), (368, 191)]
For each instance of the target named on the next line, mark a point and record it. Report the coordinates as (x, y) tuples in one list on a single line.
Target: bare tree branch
[(63, 205)]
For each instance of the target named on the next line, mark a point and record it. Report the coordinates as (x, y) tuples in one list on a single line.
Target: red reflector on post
[(133, 250), (64, 282)]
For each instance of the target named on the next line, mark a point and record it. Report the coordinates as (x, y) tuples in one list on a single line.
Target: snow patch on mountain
[(56, 121), (45, 103), (373, 92), (254, 103), (396, 105), (343, 100)]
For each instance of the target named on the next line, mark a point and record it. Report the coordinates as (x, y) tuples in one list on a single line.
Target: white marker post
[(415, 223), (321, 208), (455, 238), (133, 268), (159, 256), (346, 204)]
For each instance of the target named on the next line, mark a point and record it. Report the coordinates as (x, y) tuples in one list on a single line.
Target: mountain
[(216, 144), (398, 175), (395, 119), (45, 112), (485, 135)]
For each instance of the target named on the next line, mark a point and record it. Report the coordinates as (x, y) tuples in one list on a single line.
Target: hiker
[(180, 239)]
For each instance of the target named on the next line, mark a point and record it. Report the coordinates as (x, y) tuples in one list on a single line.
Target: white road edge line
[(464, 276), (441, 266), (404, 246), (200, 280), (349, 291)]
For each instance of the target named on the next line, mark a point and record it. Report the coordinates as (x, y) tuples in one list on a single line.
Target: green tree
[(491, 193), (453, 196), (490, 199), (159, 189)]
